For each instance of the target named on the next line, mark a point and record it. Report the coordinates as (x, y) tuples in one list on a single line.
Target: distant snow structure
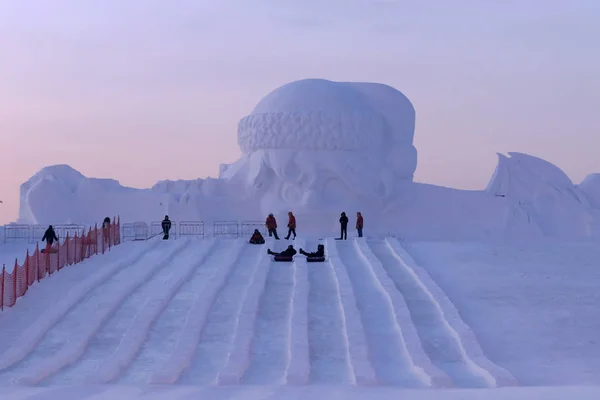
[(317, 148), (541, 192), (320, 147)]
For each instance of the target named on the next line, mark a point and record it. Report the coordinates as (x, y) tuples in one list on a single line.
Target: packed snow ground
[(218, 318)]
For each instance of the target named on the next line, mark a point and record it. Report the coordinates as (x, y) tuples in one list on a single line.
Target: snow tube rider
[(285, 255), (257, 238), (318, 255)]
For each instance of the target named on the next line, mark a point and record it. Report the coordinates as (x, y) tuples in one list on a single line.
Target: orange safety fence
[(53, 258)]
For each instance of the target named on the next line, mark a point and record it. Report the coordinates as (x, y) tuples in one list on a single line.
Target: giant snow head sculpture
[(317, 144)]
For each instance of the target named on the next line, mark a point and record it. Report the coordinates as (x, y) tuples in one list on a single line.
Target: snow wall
[(317, 147)]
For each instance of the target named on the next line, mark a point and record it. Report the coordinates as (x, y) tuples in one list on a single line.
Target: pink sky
[(142, 93)]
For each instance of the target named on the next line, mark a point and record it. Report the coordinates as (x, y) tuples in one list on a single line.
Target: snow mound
[(544, 194), (591, 187)]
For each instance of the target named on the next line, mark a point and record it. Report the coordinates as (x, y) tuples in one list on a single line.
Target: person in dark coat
[(271, 224), (166, 227), (289, 252), (106, 222), (344, 226), (319, 253), (49, 237), (257, 238)]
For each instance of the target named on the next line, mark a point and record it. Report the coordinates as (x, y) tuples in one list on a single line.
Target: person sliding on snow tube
[(271, 224), (257, 238), (166, 227), (344, 226), (285, 255), (317, 256), (49, 237), (291, 226)]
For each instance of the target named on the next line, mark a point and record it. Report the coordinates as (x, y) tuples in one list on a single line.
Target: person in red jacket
[(291, 226), (271, 224), (359, 224)]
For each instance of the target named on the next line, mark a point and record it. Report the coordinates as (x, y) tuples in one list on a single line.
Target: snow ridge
[(421, 364), (358, 354), (462, 333), (134, 337), (298, 370), (239, 357), (72, 350), (218, 333), (190, 336), (30, 338)]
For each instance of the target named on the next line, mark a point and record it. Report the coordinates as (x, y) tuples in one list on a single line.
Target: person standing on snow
[(291, 226), (359, 224), (344, 226), (166, 227), (271, 224)]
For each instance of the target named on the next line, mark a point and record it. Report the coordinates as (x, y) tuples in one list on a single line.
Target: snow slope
[(202, 314)]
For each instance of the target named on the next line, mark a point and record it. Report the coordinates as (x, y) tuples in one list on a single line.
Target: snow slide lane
[(271, 350), (358, 352), (26, 342), (120, 340), (239, 357), (329, 355), (388, 351), (448, 339), (66, 342), (439, 341), (298, 369), (219, 330), (197, 312)]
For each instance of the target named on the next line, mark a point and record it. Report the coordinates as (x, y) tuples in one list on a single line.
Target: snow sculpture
[(544, 194), (319, 147)]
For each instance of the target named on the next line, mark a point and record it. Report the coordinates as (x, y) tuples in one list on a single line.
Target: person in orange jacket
[(359, 224), (271, 224), (291, 226)]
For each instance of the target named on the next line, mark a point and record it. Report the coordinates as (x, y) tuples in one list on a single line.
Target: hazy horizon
[(145, 90)]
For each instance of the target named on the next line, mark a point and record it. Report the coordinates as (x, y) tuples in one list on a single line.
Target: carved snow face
[(310, 180)]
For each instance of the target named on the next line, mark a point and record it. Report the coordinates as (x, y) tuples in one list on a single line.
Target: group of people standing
[(271, 224)]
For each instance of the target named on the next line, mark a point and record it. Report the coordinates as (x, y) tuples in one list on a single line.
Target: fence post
[(27, 267), (58, 255), (67, 247), (15, 280), (3, 277), (38, 260), (47, 253), (96, 235), (36, 254)]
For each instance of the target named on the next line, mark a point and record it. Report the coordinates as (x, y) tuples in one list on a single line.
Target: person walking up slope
[(166, 227), (291, 226), (344, 226), (49, 237), (359, 224)]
